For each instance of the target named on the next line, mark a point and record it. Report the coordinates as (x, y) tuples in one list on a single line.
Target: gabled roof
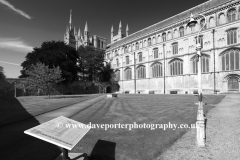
[(179, 17)]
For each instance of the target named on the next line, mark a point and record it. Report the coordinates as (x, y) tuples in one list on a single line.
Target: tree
[(5, 87), (91, 64), (53, 54), (42, 77)]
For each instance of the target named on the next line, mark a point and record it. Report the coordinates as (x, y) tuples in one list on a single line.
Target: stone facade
[(162, 58), (76, 39)]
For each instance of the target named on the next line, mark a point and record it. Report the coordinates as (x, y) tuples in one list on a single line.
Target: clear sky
[(25, 24)]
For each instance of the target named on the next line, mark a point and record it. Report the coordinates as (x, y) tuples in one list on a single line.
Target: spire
[(127, 30), (112, 30), (86, 27), (79, 32), (120, 25), (70, 20)]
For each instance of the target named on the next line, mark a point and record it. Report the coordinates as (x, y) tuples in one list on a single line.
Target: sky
[(25, 24)]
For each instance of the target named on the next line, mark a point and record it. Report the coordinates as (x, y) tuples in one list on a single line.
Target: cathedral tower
[(86, 35)]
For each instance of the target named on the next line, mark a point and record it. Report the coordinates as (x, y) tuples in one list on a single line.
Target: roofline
[(168, 19)]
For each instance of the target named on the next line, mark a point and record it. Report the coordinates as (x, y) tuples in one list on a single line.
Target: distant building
[(76, 39), (162, 57)]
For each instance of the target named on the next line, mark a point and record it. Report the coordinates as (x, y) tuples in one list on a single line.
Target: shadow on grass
[(103, 150), (14, 144)]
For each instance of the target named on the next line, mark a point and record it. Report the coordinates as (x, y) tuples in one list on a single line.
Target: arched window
[(126, 49), (175, 48), (181, 31), (230, 60), (137, 45), (221, 18), (232, 36), (176, 67), (202, 23), (127, 59), (116, 53), (169, 35), (141, 72), (141, 45), (117, 75), (192, 28), (231, 15), (129, 48), (211, 22), (149, 42), (164, 37), (140, 57), (159, 39), (175, 33), (133, 48), (155, 52), (205, 64), (117, 62), (153, 40), (128, 73), (145, 43), (157, 69)]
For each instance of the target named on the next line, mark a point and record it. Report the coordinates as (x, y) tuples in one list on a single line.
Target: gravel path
[(223, 135)]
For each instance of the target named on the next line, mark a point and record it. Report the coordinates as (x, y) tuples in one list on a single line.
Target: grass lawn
[(15, 109), (138, 144)]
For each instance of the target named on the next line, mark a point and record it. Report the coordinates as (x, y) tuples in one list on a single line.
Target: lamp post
[(200, 125)]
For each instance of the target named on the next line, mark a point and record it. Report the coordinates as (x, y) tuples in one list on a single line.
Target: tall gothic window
[(164, 37), (155, 52), (127, 59), (176, 67), (205, 64), (232, 36), (117, 75), (181, 31), (231, 15), (175, 48), (128, 73), (230, 60), (140, 57), (157, 70), (141, 72), (137, 45)]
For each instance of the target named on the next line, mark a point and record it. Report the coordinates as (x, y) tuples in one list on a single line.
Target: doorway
[(233, 84)]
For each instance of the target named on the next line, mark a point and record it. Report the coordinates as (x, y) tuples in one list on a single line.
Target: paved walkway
[(223, 135)]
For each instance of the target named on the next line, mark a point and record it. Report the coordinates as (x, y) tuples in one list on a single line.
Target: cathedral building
[(76, 39), (162, 57)]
